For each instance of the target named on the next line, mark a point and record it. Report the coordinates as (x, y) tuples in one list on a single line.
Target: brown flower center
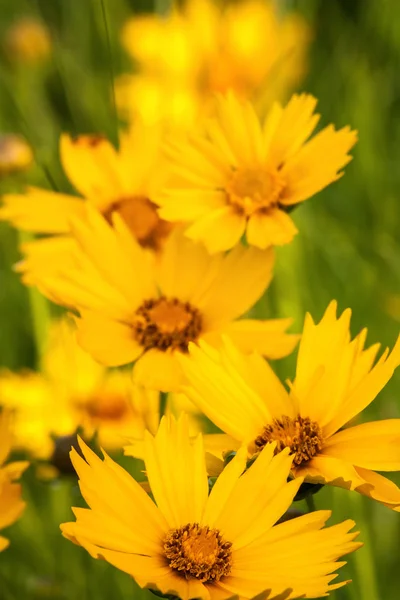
[(198, 552), (107, 407), (301, 435), (167, 323), (252, 190), (140, 215)]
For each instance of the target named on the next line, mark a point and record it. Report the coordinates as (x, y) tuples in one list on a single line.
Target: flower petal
[(265, 337), (158, 370), (274, 228), (218, 230), (373, 445)]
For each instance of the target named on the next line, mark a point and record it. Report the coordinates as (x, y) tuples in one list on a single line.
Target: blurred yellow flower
[(194, 545), (241, 176), (134, 307), (205, 47), (108, 179), (15, 154), (335, 381), (27, 41), (11, 504), (74, 391)]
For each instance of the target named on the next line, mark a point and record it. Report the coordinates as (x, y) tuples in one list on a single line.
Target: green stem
[(364, 558), (40, 310), (310, 503)]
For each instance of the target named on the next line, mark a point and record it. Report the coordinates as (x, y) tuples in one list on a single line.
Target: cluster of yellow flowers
[(161, 254)]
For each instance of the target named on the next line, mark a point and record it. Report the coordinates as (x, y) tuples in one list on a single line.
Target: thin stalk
[(310, 503), (367, 580), (111, 68), (40, 309)]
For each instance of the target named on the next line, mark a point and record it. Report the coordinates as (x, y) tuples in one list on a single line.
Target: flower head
[(135, 307), (27, 41), (335, 381), (241, 176), (11, 504), (202, 48), (112, 181), (195, 545), (73, 390)]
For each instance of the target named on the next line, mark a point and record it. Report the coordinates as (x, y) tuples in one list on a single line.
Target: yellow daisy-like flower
[(241, 176), (195, 545), (11, 504), (335, 381), (202, 48), (73, 391), (112, 181), (135, 307)]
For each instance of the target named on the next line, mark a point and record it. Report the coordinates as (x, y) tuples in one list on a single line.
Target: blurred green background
[(348, 248)]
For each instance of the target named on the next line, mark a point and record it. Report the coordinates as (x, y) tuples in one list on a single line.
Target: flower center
[(198, 552), (107, 407), (140, 215), (251, 190), (301, 435), (167, 323)]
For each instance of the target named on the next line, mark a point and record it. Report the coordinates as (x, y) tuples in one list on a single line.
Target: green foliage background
[(348, 248)]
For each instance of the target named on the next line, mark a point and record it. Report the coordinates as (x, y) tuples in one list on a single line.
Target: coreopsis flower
[(15, 154), (194, 545), (73, 390), (202, 48), (240, 176), (27, 41), (110, 180), (136, 308), (335, 381), (11, 503)]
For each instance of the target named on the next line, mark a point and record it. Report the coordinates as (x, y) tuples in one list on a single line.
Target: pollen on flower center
[(301, 435), (252, 190), (140, 215), (167, 323), (199, 552)]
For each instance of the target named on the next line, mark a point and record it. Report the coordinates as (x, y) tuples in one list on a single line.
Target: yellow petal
[(373, 446), (41, 211), (274, 228), (109, 342), (218, 230), (158, 370), (266, 337), (306, 174), (223, 396), (296, 124), (176, 472), (91, 164), (325, 469), (239, 282)]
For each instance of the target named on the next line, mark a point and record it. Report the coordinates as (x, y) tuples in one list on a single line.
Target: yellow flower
[(335, 381), (241, 176), (203, 48), (15, 154), (136, 307), (112, 181), (74, 391), (11, 504), (27, 41), (195, 545)]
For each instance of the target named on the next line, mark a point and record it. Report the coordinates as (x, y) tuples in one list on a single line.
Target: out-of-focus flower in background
[(73, 391), (112, 180), (15, 154), (203, 48), (11, 503), (27, 41)]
